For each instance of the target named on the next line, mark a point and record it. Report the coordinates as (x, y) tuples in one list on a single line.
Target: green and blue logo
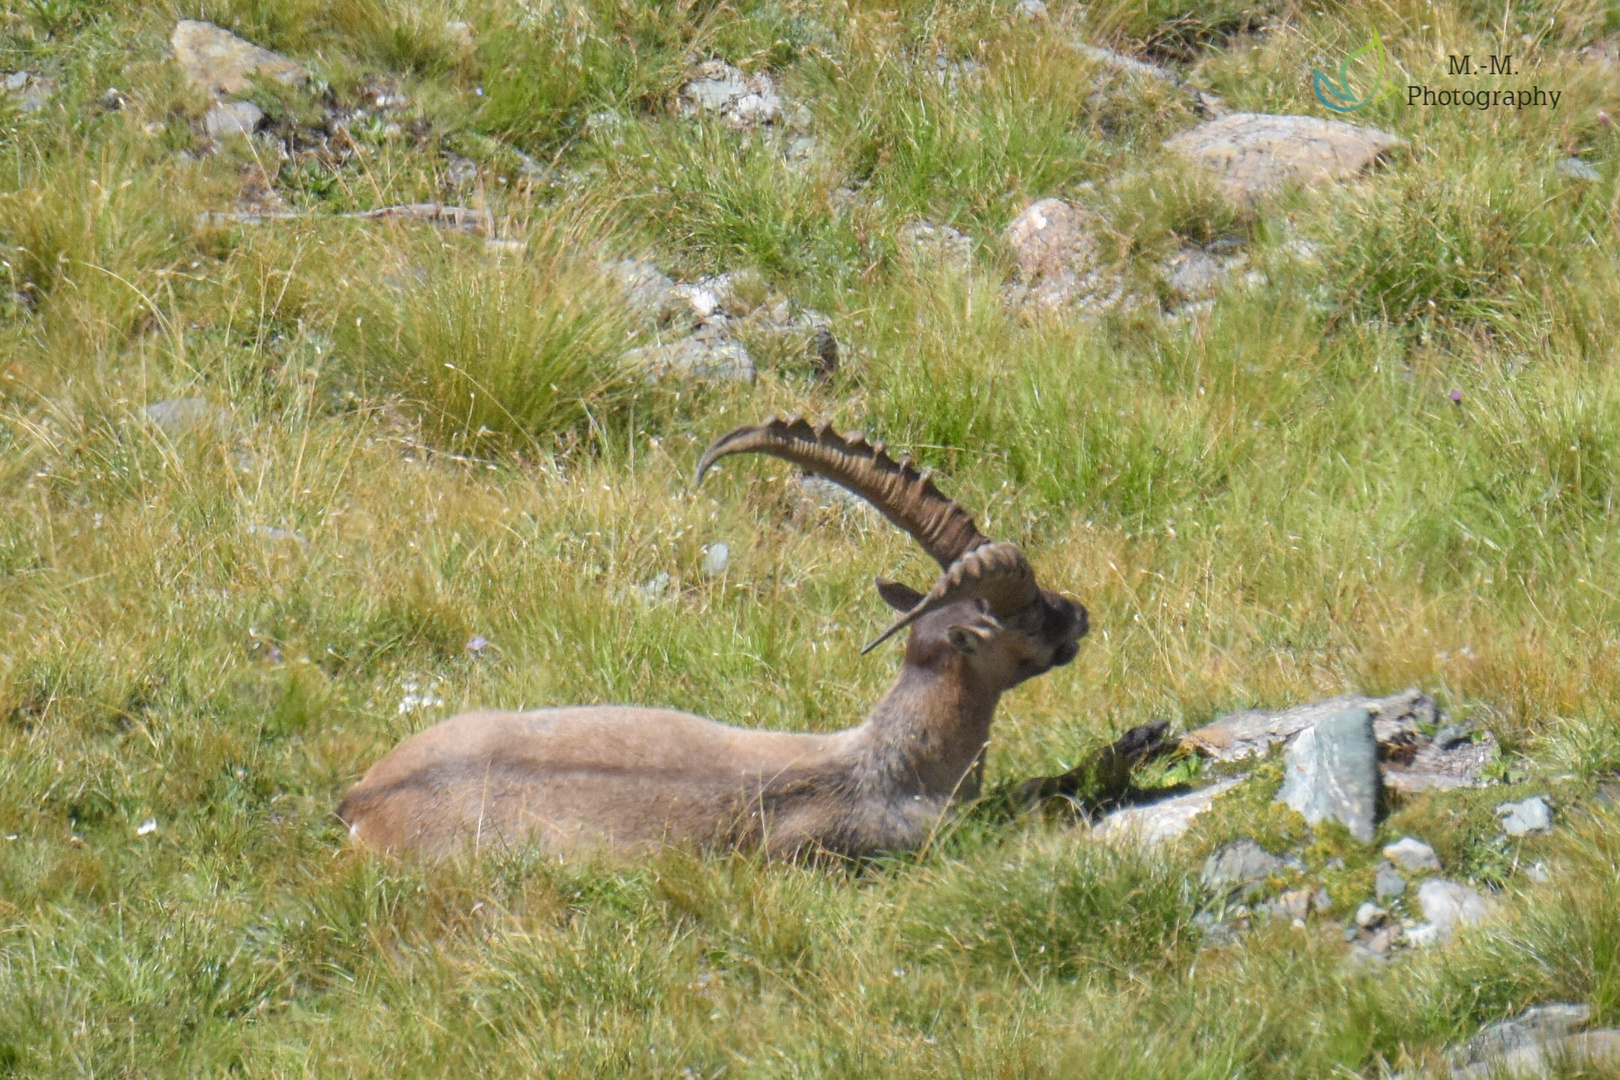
[(1340, 96)]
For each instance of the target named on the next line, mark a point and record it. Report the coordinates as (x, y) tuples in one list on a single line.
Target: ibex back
[(623, 777)]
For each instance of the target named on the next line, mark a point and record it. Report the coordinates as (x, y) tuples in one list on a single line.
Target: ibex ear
[(898, 595), (968, 639)]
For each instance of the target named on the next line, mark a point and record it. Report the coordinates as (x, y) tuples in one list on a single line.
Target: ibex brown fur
[(624, 777)]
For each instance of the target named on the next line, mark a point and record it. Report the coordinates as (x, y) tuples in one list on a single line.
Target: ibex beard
[(625, 778)]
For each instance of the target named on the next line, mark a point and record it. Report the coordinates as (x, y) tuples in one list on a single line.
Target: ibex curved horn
[(997, 573), (973, 566), (896, 489)]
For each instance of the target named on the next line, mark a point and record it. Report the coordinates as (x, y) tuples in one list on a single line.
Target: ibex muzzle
[(624, 777)]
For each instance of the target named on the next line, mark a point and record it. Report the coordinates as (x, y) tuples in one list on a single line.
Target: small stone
[(1383, 940), (1449, 906), (929, 241), (1527, 818), (1030, 11), (1323, 900), (1256, 153), (478, 644), (1332, 772), (14, 81), (1194, 274), (1423, 935), (1388, 883), (716, 557), (742, 101), (462, 171), (274, 534), (1538, 873), (1369, 915), (113, 99), (459, 34), (180, 415), (1608, 793), (1239, 864), (220, 63), (656, 590), (1576, 169), (1294, 904), (225, 119), (1412, 855), (715, 359), (147, 827)]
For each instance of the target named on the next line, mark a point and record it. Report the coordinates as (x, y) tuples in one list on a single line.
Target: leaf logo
[(1338, 96)]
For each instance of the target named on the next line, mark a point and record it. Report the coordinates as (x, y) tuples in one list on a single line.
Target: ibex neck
[(929, 729)]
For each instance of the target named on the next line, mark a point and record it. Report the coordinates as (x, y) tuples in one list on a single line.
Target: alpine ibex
[(626, 777)]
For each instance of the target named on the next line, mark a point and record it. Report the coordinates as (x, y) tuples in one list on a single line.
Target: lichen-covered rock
[(1256, 153), (1159, 822), (221, 63), (229, 118), (1055, 247), (743, 101), (1447, 906)]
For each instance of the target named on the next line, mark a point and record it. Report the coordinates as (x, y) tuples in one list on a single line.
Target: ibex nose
[(1065, 652)]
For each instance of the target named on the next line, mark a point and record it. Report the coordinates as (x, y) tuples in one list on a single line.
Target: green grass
[(1272, 503)]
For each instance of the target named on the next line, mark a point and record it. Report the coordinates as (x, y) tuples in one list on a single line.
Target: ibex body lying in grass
[(626, 777)]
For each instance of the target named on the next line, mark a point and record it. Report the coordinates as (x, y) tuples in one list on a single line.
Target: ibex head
[(985, 605)]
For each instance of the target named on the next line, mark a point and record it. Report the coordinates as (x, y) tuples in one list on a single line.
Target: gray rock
[(943, 244), (1527, 818), (1332, 773), (1056, 251), (1382, 940), (1155, 823), (276, 535), (31, 90), (716, 557), (648, 289), (1608, 793), (1238, 865), (1194, 274), (221, 63), (1520, 1046), (1292, 905), (1030, 11), (1253, 732), (225, 119), (743, 101), (713, 359), (180, 415), (1323, 900), (1449, 906), (1124, 64), (1412, 855), (1388, 882), (1252, 154), (1370, 915), (1576, 169), (1423, 935)]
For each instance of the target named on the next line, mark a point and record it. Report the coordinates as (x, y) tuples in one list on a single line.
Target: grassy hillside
[(1385, 456)]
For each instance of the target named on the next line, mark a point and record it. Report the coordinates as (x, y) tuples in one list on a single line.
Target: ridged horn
[(899, 492), (998, 573)]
